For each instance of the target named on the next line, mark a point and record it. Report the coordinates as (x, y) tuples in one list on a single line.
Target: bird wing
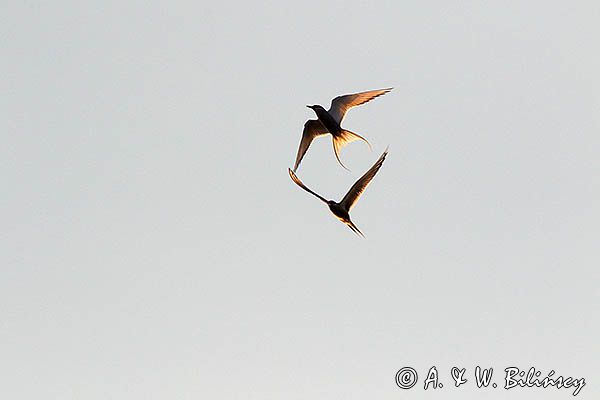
[(299, 183), (360, 185), (312, 128), (341, 104)]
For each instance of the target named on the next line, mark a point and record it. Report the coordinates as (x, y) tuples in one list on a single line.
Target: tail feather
[(343, 139), (354, 228)]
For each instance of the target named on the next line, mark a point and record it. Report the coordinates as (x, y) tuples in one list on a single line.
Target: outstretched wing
[(312, 129), (359, 187), (341, 104), (299, 183)]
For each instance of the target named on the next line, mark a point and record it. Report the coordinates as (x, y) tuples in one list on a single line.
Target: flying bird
[(329, 122), (342, 209)]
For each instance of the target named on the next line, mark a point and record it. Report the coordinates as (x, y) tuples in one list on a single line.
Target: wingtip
[(291, 173)]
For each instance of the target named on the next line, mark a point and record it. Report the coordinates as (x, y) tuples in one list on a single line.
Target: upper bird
[(329, 122), (342, 209)]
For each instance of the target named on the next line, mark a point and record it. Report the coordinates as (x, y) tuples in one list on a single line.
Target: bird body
[(331, 125), (342, 208), (329, 122)]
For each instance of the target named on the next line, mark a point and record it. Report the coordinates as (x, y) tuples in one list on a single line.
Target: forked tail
[(343, 139), (354, 228)]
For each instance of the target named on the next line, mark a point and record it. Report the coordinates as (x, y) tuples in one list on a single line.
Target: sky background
[(154, 247)]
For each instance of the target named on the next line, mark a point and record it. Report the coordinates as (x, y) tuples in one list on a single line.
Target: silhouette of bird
[(329, 122), (342, 209)]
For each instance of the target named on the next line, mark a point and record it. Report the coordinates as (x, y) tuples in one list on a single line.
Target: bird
[(342, 208), (329, 122)]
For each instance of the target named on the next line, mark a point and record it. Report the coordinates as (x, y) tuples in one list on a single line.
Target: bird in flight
[(329, 122), (342, 209)]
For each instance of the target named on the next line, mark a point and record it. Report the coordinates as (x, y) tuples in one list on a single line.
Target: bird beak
[(309, 106)]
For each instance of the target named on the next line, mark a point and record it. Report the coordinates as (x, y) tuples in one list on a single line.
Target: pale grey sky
[(153, 245)]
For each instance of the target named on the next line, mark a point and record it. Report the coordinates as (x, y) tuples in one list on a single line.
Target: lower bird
[(342, 209), (329, 122)]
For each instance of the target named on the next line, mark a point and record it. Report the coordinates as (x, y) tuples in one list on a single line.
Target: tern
[(329, 121), (342, 209)]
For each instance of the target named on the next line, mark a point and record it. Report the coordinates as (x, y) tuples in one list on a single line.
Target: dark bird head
[(320, 111)]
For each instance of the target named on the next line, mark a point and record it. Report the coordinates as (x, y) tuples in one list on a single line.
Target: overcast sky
[(154, 247)]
